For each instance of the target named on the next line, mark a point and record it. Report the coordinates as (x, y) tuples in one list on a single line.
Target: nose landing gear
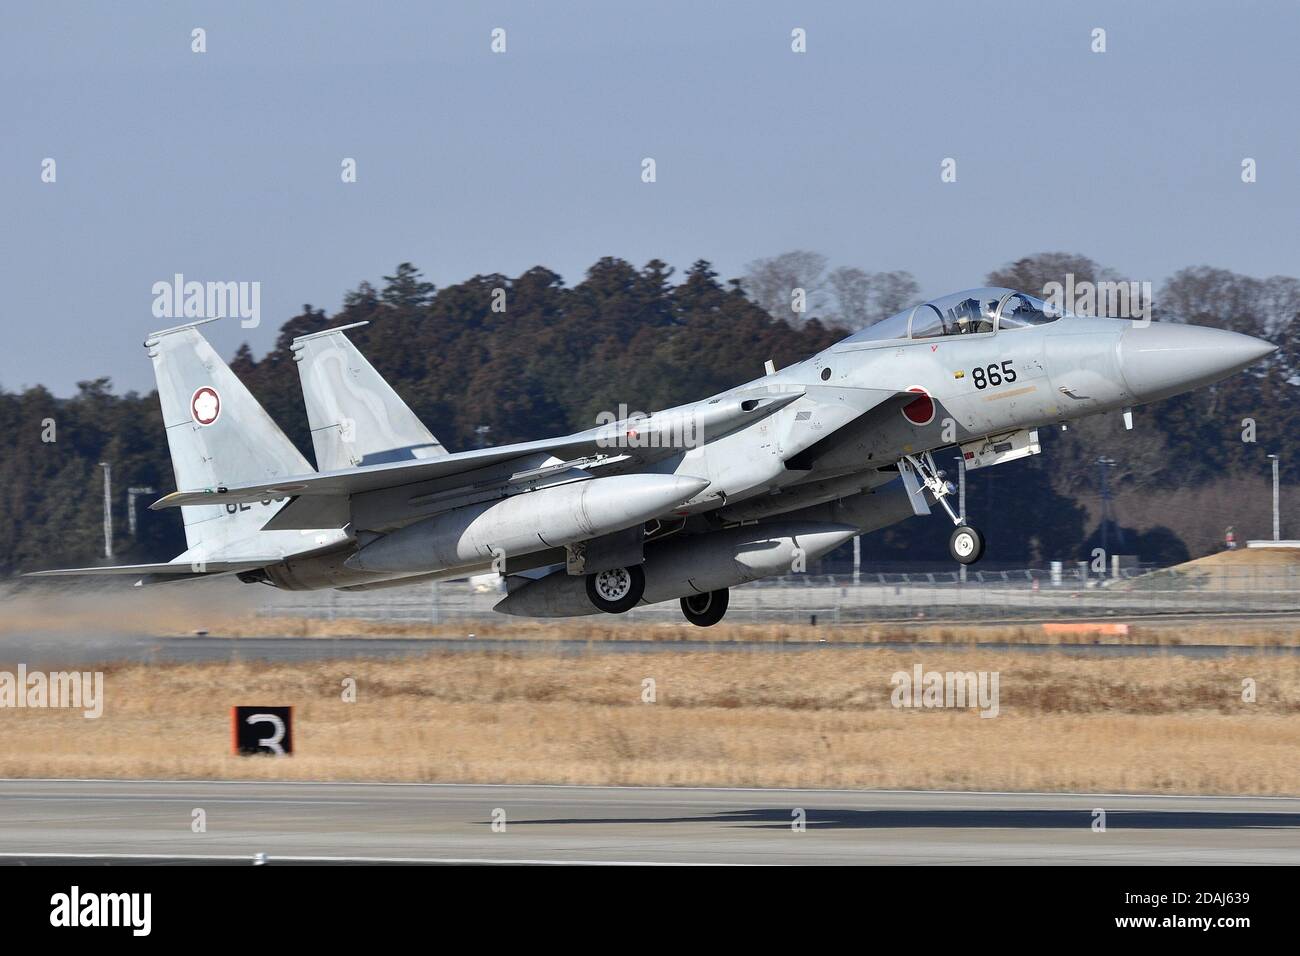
[(966, 545)]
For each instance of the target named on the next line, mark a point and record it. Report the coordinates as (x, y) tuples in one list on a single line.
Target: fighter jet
[(684, 503)]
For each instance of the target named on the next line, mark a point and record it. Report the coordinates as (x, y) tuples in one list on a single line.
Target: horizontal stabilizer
[(208, 567)]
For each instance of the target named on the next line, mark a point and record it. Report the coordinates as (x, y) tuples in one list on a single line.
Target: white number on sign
[(271, 743)]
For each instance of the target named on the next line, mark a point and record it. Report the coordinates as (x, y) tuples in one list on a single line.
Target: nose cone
[(1165, 358)]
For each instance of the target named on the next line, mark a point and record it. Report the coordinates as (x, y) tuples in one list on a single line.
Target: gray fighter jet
[(682, 504)]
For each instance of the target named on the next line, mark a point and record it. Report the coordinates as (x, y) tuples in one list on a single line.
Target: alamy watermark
[(946, 689), (208, 300), (1118, 300), (624, 429), (128, 910), (77, 690)]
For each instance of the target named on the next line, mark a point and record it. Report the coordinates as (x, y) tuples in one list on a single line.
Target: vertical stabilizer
[(356, 418), (218, 434)]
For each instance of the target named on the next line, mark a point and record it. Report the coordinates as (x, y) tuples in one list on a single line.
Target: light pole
[(1107, 515), (1277, 519), (131, 495), (108, 509)]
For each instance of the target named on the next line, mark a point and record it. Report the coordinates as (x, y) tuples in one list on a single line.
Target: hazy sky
[(226, 165)]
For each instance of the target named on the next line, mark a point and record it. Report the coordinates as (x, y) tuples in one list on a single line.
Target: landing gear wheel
[(966, 545), (705, 610), (616, 590)]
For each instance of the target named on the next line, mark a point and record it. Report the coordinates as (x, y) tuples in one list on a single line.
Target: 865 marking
[(993, 375)]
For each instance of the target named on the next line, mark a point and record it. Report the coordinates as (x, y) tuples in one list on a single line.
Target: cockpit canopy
[(963, 313)]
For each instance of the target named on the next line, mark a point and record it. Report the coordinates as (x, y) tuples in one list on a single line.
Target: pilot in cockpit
[(965, 308), (973, 317), (970, 318)]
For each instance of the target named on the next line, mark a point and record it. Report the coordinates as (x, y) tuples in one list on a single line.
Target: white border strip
[(261, 859), (669, 789)]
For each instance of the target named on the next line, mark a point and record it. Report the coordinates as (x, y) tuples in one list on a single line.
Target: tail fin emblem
[(205, 406)]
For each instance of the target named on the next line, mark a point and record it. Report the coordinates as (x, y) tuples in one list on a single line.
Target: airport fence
[(1013, 595)]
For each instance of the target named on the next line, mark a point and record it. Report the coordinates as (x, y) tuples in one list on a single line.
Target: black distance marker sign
[(261, 730)]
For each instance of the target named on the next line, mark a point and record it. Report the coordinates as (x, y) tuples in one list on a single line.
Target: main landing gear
[(705, 610), (919, 472), (617, 590)]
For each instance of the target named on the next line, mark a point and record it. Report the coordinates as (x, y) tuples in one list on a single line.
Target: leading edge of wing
[(374, 477)]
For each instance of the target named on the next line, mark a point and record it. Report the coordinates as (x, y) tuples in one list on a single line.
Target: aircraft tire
[(705, 610), (966, 545), (616, 590)]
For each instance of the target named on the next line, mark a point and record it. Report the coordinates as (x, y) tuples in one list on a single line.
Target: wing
[(587, 449)]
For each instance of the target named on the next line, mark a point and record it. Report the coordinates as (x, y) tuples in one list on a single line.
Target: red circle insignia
[(919, 411), (205, 406)]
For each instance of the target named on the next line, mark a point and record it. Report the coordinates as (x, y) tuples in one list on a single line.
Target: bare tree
[(892, 292), (1032, 273), (772, 284), (1110, 294), (864, 298), (1281, 303), (1228, 300), (853, 290)]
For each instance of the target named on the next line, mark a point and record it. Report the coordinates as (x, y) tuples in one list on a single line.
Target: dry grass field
[(1266, 633), (817, 718)]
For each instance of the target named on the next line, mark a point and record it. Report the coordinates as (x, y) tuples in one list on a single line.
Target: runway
[(55, 650), (43, 821)]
